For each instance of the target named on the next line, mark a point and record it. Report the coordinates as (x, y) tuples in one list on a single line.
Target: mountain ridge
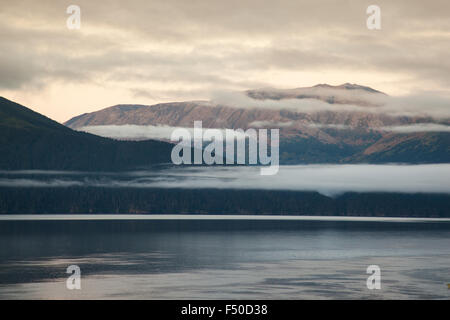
[(29, 140)]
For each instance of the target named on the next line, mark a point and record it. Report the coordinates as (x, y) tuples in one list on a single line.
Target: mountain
[(29, 140), (226, 114), (329, 130)]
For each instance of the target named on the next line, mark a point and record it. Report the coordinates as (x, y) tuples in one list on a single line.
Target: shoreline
[(80, 217)]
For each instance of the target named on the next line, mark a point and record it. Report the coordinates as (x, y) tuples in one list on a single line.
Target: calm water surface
[(216, 258)]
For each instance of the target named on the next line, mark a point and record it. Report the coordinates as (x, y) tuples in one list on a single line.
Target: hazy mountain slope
[(29, 140), (421, 147)]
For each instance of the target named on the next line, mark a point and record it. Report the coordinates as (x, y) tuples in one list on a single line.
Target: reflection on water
[(235, 259)]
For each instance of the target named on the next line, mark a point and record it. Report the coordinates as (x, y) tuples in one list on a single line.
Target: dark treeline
[(29, 140), (217, 201)]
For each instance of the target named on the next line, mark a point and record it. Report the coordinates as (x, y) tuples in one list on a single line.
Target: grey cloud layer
[(330, 180), (426, 104), (421, 127)]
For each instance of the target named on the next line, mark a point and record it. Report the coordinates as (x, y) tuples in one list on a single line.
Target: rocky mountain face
[(319, 124)]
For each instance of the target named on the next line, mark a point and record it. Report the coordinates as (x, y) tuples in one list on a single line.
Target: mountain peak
[(347, 86), (354, 86)]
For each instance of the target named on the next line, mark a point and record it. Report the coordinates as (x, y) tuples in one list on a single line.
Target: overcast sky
[(148, 51)]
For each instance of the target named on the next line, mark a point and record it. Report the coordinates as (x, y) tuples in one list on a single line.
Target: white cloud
[(131, 131), (327, 179), (329, 126), (12, 182), (270, 124), (409, 128), (432, 104), (144, 132), (418, 127)]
